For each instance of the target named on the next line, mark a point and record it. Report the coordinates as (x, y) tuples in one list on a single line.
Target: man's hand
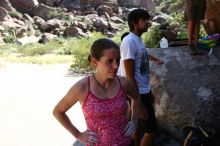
[(159, 62)]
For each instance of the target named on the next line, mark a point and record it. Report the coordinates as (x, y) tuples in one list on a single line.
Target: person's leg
[(191, 48), (196, 32), (148, 139), (190, 32), (137, 140), (196, 37), (150, 125)]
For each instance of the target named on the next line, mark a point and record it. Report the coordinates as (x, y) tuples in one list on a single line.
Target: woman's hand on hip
[(88, 137)]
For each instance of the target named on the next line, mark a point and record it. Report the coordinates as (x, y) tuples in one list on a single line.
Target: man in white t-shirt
[(134, 65)]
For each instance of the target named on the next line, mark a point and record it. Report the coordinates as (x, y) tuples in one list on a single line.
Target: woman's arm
[(64, 105), (76, 93)]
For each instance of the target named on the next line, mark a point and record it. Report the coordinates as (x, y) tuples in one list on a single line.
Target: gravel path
[(28, 94)]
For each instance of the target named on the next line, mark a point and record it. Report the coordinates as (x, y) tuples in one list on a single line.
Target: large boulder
[(51, 25), (212, 19), (147, 4), (7, 5), (187, 89), (51, 3), (25, 6), (3, 14), (75, 32), (43, 11), (79, 4), (47, 2)]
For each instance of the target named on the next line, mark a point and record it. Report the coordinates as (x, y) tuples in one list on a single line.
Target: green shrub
[(42, 59), (80, 51), (59, 14), (14, 14), (168, 4), (37, 33), (117, 37), (152, 37), (40, 49), (9, 35), (9, 39), (29, 33), (202, 32), (182, 30)]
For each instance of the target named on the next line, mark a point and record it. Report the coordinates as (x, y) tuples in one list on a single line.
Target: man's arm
[(129, 66), (157, 60)]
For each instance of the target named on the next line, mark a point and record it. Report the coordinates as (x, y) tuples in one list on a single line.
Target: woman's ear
[(93, 62)]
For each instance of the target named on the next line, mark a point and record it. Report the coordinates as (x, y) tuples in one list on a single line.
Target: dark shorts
[(149, 125), (195, 10)]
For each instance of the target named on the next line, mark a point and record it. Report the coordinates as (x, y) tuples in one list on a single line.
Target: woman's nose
[(115, 65)]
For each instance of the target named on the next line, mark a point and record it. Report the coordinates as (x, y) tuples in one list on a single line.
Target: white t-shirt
[(132, 47)]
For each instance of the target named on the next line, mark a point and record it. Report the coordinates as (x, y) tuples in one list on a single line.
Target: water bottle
[(163, 43)]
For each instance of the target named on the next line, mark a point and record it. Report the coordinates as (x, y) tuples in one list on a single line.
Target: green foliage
[(30, 53), (182, 30), (9, 39), (152, 37), (42, 59), (40, 49), (117, 37), (7, 49), (29, 33), (169, 4), (37, 32), (202, 32), (59, 14), (9, 34), (14, 14), (80, 51), (178, 17)]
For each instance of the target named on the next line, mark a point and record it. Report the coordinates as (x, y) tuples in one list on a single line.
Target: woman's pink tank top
[(107, 117)]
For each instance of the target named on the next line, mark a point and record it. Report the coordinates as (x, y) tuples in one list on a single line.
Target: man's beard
[(141, 31)]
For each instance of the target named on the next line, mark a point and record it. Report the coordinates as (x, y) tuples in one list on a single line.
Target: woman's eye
[(109, 61)]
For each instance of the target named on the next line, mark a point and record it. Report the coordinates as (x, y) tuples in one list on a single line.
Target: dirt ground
[(28, 94)]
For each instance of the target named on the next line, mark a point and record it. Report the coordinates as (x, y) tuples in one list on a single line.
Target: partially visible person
[(134, 65), (102, 96), (194, 12), (124, 35)]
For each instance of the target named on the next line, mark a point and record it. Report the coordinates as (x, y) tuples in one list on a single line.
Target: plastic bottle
[(163, 43)]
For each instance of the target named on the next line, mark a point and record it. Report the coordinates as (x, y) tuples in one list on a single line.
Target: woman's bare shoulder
[(79, 89), (81, 85)]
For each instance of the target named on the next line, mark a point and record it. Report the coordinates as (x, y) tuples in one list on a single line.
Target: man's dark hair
[(135, 15)]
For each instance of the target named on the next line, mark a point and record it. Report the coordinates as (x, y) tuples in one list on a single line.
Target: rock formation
[(148, 4), (187, 89)]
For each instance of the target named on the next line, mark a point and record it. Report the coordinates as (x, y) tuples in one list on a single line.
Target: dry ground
[(28, 94)]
